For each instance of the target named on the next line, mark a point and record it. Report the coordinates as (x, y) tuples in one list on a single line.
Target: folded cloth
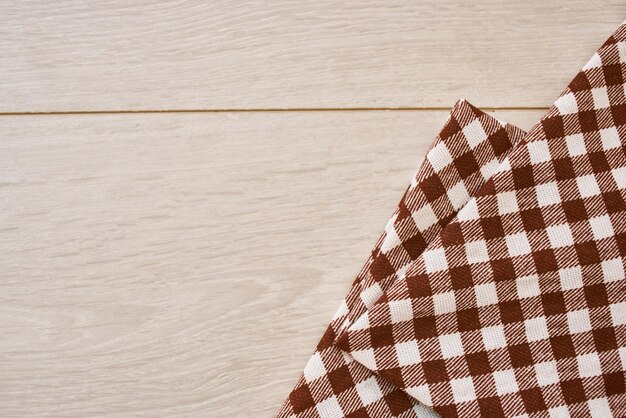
[(518, 307), (464, 156)]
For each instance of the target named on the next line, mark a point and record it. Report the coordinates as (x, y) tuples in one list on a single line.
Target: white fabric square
[(559, 412), (469, 212), (401, 310), (610, 138), (613, 270), (528, 286), (618, 313), (560, 236), (439, 157), (435, 260), (421, 393), (621, 47), (486, 294), (599, 408), (451, 345), (476, 252), (517, 244), (391, 240), (536, 329), (566, 104), (504, 166), (507, 202), (362, 322), (505, 382), (314, 368), (571, 278), (578, 321), (600, 98), (369, 391), (587, 185), (463, 389), (619, 174), (408, 353), (546, 373), (575, 145), (538, 152), (424, 218), (474, 133), (589, 365), (488, 169), (329, 408), (601, 227), (366, 358), (444, 303), (458, 195), (594, 62), (493, 337), (370, 295), (547, 194)]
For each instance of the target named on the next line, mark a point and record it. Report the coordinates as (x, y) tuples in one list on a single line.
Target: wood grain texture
[(132, 55), (185, 265)]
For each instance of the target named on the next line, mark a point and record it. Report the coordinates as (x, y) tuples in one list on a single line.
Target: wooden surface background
[(187, 188)]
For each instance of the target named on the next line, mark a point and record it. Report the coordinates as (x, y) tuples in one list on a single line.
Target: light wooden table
[(188, 188)]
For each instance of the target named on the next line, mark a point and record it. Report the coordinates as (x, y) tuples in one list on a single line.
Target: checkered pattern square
[(465, 154), (519, 306)]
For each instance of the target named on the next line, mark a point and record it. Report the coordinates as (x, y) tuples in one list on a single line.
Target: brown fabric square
[(596, 296), (381, 267), (418, 286), (523, 177), (435, 371), (461, 277), (562, 347), (398, 402), (533, 400), (614, 383), (613, 201), (327, 340), (382, 336), (587, 253), (340, 379), (553, 127), (598, 161), (415, 246), (500, 142), (468, 319), (492, 227), (532, 219), (359, 413), (580, 83), (503, 269), (491, 407), (301, 399), (520, 355), (432, 188), (478, 363), (425, 327), (511, 311), (553, 303), (588, 121), (604, 339), (466, 165), (575, 210), (619, 114), (573, 391), (545, 261), (563, 169), (613, 74), (452, 235)]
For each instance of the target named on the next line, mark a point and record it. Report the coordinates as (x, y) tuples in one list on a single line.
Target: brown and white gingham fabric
[(465, 154), (518, 307)]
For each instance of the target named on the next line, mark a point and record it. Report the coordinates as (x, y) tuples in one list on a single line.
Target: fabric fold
[(518, 306), (464, 156)]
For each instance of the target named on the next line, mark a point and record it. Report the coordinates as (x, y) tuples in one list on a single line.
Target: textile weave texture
[(498, 286)]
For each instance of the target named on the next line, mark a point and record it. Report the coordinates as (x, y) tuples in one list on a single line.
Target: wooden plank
[(138, 55), (186, 264)]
